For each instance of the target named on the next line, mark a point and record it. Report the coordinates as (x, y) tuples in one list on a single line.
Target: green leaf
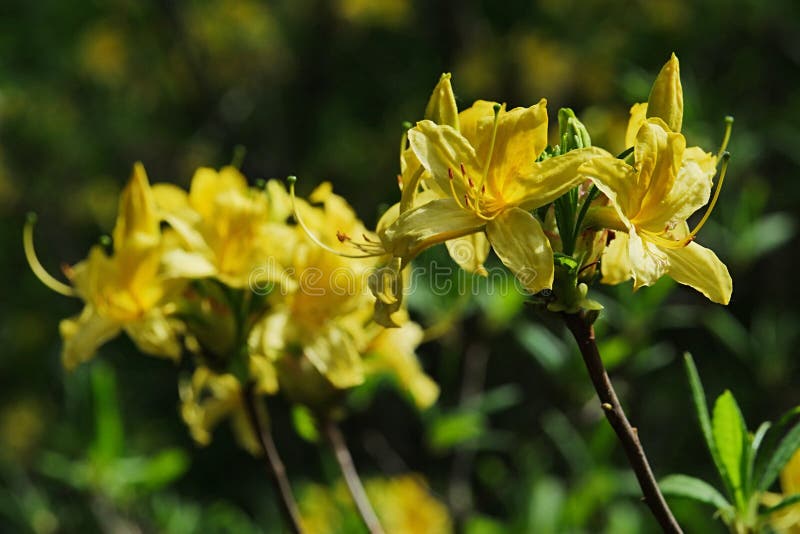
[(693, 488), (788, 501), (755, 445), (787, 447), (730, 435), (770, 441), (699, 398), (456, 428), (304, 423)]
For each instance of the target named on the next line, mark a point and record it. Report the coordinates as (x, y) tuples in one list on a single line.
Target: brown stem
[(288, 505), (351, 477), (583, 332)]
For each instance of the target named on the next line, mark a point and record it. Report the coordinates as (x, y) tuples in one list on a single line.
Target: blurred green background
[(319, 88)]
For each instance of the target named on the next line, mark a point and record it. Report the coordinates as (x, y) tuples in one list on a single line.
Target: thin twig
[(288, 505), (583, 332), (351, 477)]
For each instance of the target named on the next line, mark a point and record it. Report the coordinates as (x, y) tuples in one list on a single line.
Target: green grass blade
[(787, 447)]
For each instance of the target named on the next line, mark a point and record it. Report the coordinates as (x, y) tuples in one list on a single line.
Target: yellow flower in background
[(319, 335), (487, 178), (208, 398), (403, 504), (652, 199), (127, 290), (227, 229)]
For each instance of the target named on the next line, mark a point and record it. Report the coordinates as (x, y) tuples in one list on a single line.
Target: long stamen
[(497, 109), (726, 136), (726, 156), (310, 234), (36, 266)]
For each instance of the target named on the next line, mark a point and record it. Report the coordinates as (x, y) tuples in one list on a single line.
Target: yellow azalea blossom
[(237, 231), (652, 199), (403, 504), (487, 179), (322, 317), (207, 399), (127, 290), (318, 336)]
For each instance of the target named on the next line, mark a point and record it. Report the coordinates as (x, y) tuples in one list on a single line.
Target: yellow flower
[(228, 230), (207, 399), (403, 504), (127, 290), (487, 179), (652, 199)]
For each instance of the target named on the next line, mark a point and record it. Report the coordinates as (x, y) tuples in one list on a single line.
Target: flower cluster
[(485, 178), (224, 276)]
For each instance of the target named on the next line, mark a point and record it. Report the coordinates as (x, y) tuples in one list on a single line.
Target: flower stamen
[(339, 235), (36, 266)]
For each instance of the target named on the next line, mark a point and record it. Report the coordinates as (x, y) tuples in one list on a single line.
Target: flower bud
[(666, 96)]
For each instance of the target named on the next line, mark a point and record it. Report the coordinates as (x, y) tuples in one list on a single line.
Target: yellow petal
[(335, 356), (545, 181), (208, 184), (698, 267), (156, 334), (658, 208), (648, 262), (476, 122), (469, 252), (442, 150), (137, 219), (84, 334), (442, 107), (637, 119), (616, 265), (520, 243), (616, 180), (521, 137), (264, 374), (666, 96), (690, 190), (427, 225), (386, 285), (178, 263)]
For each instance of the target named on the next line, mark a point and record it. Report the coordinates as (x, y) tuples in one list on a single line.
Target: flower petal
[(442, 150), (637, 119), (441, 107), (521, 137), (427, 225), (666, 95), (542, 182), (156, 334), (689, 191), (84, 334), (137, 221), (698, 267), (469, 252), (616, 264), (648, 262), (520, 243), (616, 180)]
